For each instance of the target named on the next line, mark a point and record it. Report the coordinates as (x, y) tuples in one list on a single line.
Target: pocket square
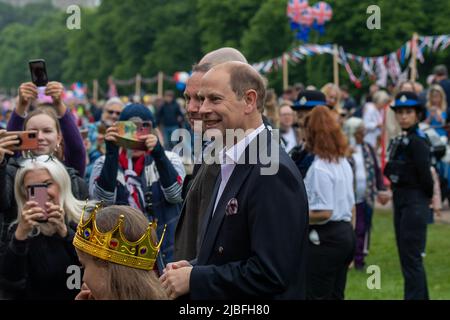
[(232, 207)]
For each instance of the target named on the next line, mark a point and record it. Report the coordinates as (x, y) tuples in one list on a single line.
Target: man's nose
[(193, 106), (40, 135), (204, 108)]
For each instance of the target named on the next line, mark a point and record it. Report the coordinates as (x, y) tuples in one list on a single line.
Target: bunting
[(383, 67)]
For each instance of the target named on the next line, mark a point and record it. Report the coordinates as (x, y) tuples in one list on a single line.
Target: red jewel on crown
[(113, 243)]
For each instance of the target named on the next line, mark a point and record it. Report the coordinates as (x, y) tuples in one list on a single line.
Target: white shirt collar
[(235, 152)]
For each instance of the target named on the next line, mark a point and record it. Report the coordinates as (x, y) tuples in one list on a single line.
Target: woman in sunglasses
[(96, 132), (38, 251)]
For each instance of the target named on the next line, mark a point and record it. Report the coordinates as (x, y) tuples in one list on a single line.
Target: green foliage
[(122, 38), (223, 22)]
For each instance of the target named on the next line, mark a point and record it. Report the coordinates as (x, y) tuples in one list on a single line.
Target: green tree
[(17, 45), (223, 22)]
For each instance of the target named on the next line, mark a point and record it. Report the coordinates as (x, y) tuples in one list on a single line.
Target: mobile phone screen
[(38, 193), (38, 73)]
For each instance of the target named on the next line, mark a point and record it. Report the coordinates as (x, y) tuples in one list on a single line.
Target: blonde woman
[(35, 259), (105, 276), (333, 95), (436, 105), (271, 108)]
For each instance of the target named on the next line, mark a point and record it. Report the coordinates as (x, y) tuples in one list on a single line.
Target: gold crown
[(113, 246)]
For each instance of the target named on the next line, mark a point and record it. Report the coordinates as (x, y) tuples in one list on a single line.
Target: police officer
[(306, 101), (408, 170)]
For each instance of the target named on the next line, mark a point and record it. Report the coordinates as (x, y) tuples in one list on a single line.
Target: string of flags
[(380, 67)]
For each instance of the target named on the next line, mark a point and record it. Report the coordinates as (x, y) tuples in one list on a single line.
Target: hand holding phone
[(144, 128), (30, 216), (55, 91), (27, 140), (28, 92), (55, 216), (38, 72), (39, 194), (6, 142)]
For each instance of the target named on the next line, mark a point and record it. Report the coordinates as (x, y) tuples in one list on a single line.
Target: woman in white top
[(329, 185)]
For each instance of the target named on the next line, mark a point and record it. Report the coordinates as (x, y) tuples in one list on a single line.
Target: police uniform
[(306, 101), (408, 169)]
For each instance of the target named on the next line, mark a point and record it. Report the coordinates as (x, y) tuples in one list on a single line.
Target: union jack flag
[(306, 17), (322, 12), (294, 9)]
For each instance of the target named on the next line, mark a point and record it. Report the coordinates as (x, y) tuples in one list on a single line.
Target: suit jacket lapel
[(209, 235), (239, 175)]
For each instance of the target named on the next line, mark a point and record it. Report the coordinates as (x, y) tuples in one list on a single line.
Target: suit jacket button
[(220, 250)]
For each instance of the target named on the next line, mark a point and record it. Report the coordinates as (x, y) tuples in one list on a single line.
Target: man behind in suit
[(254, 234)]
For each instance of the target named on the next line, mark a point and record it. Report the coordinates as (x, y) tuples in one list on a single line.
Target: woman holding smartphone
[(38, 250), (51, 132), (150, 181)]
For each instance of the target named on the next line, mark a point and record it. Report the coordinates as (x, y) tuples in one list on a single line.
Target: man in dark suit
[(199, 185), (254, 232)]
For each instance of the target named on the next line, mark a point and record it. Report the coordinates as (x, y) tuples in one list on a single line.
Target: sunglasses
[(111, 112), (29, 157)]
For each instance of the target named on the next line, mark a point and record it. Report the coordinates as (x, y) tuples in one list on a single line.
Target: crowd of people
[(151, 223)]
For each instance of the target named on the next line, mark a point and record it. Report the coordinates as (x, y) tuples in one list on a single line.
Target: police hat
[(309, 99), (407, 99)]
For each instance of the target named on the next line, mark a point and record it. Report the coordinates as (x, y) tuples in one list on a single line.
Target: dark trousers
[(328, 261), (362, 231), (411, 210)]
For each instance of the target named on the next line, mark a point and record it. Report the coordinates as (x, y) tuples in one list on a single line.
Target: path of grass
[(383, 252)]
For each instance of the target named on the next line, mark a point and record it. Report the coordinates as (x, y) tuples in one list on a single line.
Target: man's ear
[(250, 100)]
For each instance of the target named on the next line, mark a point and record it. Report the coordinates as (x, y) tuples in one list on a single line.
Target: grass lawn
[(383, 252)]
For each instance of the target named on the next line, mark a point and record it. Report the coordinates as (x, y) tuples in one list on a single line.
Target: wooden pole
[(160, 84), (335, 65), (95, 90), (414, 49), (137, 91), (285, 71)]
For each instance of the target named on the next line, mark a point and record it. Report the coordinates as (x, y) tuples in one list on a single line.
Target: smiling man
[(253, 238), (197, 187)]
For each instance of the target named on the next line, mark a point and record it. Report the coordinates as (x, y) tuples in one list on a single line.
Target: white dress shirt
[(230, 157), (329, 186), (372, 118), (290, 138)]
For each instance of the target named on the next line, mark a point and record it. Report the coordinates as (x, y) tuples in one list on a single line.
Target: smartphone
[(38, 193), (129, 132), (28, 140), (38, 72), (127, 129), (144, 128), (84, 133)]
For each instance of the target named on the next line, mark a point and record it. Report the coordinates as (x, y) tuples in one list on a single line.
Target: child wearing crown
[(117, 247)]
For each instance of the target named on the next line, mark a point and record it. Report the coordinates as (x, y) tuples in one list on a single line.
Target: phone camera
[(32, 135), (32, 191)]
